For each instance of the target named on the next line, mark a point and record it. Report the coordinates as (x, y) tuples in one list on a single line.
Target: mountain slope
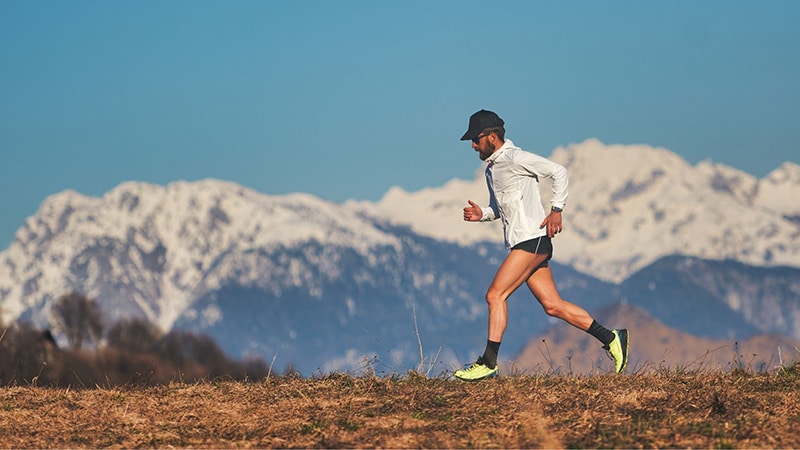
[(630, 205), (563, 349), (151, 250), (311, 281), (718, 299), (324, 286)]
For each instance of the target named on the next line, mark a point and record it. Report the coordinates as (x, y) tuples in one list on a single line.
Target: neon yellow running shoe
[(618, 350), (476, 372)]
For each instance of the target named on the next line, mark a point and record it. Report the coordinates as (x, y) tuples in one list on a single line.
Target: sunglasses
[(478, 138)]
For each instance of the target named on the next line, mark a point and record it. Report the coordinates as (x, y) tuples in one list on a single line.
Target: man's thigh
[(543, 287), (518, 266)]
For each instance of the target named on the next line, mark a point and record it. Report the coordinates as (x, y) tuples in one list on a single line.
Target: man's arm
[(543, 167)]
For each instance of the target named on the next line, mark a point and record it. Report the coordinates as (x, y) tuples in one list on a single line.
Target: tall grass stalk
[(421, 368)]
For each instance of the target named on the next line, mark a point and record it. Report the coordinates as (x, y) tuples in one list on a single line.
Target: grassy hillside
[(735, 409)]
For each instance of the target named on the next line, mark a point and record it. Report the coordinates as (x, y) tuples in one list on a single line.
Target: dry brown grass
[(669, 409)]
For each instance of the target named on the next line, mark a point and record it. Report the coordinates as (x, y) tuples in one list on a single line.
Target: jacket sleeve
[(491, 212), (533, 164)]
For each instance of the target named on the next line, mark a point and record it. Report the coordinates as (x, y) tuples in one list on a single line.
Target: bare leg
[(518, 267), (544, 289)]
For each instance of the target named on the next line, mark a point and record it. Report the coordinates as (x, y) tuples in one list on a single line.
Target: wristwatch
[(557, 209)]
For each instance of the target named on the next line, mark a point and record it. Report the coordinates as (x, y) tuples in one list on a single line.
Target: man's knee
[(553, 308), (493, 296)]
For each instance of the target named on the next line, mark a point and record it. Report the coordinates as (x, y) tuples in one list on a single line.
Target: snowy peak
[(632, 204), (164, 246), (778, 191), (213, 255), (650, 203), (728, 181), (435, 212), (596, 161)]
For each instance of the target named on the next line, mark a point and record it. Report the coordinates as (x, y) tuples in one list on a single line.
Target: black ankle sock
[(490, 354), (600, 332)]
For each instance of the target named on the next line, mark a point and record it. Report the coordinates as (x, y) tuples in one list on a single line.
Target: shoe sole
[(473, 380), (624, 346)]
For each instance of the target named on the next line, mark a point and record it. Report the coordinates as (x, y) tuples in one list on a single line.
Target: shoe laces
[(475, 365)]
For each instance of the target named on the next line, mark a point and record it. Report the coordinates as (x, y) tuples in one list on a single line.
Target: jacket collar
[(506, 145)]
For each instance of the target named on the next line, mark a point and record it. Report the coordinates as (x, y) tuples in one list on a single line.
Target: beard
[(485, 151)]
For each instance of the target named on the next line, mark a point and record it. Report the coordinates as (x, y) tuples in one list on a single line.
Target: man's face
[(483, 146)]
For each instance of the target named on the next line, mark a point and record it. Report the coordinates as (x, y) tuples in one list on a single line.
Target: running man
[(512, 175)]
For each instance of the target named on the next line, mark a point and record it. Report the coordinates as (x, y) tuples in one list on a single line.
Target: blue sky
[(345, 99)]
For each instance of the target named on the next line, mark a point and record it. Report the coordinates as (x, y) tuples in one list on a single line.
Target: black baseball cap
[(480, 121)]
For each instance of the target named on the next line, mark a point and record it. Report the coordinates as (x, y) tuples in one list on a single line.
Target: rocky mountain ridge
[(630, 205), (157, 248), (324, 284)]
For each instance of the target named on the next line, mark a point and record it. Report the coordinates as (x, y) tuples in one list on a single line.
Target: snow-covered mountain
[(321, 284), (153, 250), (315, 282), (630, 205)]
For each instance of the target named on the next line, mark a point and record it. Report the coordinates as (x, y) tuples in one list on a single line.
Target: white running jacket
[(512, 175)]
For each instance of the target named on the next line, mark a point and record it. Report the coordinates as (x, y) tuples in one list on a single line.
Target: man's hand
[(552, 222), (473, 212)]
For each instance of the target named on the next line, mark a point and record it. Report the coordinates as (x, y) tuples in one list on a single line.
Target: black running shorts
[(539, 246)]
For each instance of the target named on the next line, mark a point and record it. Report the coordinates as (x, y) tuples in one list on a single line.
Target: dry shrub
[(30, 357)]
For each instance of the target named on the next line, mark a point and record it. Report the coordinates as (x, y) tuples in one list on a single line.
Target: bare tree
[(134, 335), (78, 318)]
